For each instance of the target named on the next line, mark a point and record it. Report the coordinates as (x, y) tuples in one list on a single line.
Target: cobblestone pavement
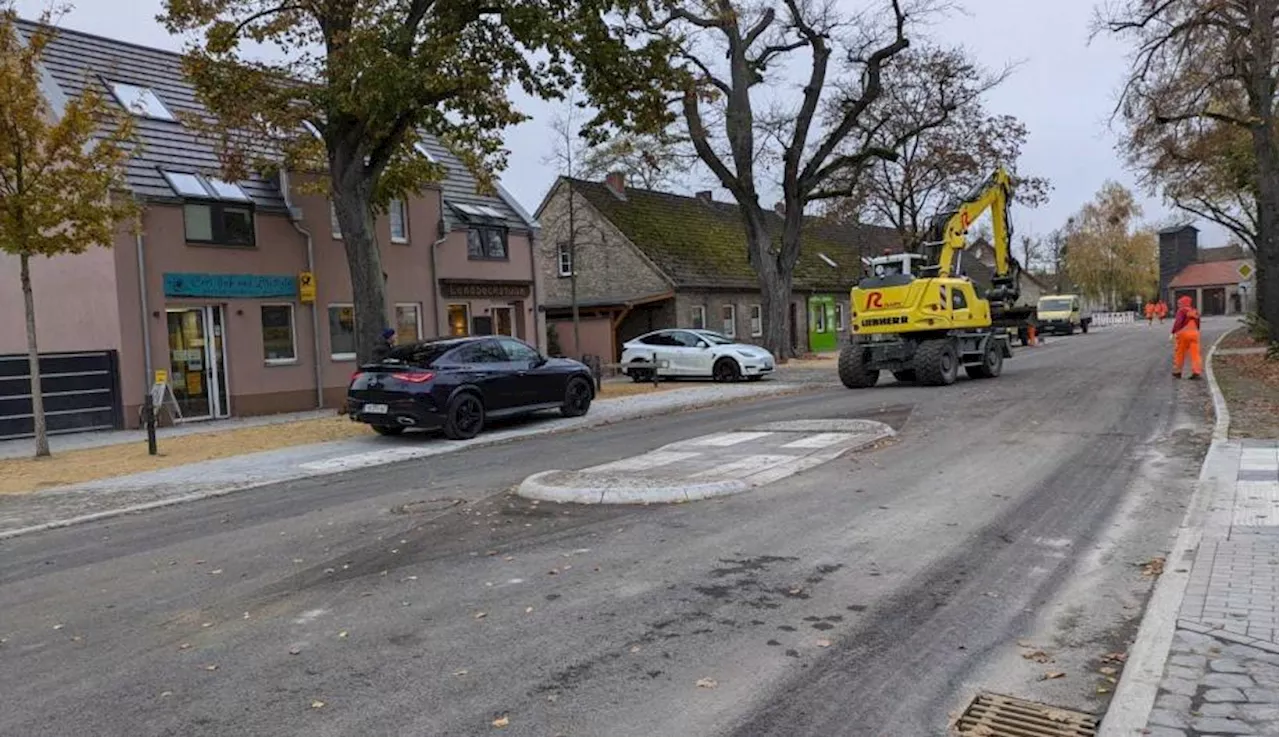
[(1221, 675)]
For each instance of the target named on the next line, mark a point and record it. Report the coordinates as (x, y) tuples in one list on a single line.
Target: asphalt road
[(870, 596)]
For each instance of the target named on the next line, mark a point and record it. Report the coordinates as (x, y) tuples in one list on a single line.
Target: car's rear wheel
[(388, 430), (464, 418), (726, 369), (577, 397)]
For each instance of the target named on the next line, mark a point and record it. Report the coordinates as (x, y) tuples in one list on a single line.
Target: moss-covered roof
[(702, 244)]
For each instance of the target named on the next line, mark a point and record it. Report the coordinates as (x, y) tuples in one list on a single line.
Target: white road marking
[(310, 615), (819, 440), (648, 460), (744, 466), (724, 440)]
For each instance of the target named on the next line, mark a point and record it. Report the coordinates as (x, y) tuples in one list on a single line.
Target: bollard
[(149, 412)]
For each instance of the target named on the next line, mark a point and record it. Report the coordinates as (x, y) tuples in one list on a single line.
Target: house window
[(487, 244), (729, 320), (141, 101), (342, 332), (334, 228), (458, 321), (408, 321), (699, 320), (277, 334), (819, 317), (216, 212), (839, 316), (757, 321), (399, 222), (564, 260)]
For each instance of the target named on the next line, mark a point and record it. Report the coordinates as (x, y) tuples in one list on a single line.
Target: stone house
[(648, 260), (235, 298)]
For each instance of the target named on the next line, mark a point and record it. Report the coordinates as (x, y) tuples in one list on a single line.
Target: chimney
[(704, 195), (780, 207), (616, 181)]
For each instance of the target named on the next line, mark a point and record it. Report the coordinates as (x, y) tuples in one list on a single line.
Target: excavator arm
[(947, 235)]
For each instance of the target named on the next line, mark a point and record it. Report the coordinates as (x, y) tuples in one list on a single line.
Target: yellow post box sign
[(307, 287)]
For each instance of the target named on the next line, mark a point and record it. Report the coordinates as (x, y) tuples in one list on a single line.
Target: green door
[(822, 324)]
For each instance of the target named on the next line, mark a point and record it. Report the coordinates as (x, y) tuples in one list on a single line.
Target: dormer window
[(141, 101), (215, 212)]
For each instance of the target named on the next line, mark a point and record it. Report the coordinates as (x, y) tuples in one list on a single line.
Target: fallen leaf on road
[(1024, 643), (317, 704), (246, 615), (342, 635), (1051, 675), (76, 638), (297, 560), (59, 626), (824, 643), (1103, 689), (481, 615), (707, 683), (199, 562), (211, 667), (1056, 715), (1107, 671), (295, 650), (1115, 657), (460, 673), (528, 609), (1039, 656), (164, 694), (553, 572), (795, 591), (501, 722), (1153, 567), (215, 572), (184, 646), (635, 649), (491, 553), (508, 558)]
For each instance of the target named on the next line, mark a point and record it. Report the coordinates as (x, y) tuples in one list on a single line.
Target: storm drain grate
[(995, 715)]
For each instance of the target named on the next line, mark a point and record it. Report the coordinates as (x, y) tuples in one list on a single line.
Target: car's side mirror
[(540, 361)]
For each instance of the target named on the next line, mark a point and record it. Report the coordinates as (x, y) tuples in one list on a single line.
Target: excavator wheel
[(905, 376), (936, 362), (854, 373), (991, 366)]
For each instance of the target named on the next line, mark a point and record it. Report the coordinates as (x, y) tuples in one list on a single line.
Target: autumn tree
[(758, 134), (1200, 114), (1108, 255), (934, 165), (61, 175), (649, 160), (354, 85)]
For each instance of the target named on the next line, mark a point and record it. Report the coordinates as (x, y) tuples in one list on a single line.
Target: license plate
[(374, 409)]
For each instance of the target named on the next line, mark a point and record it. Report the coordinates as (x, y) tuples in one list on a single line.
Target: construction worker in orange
[(1162, 311), (1150, 311), (1186, 338)]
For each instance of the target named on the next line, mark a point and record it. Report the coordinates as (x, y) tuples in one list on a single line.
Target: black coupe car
[(455, 384)]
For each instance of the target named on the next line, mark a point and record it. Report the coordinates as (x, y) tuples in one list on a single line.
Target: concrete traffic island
[(709, 466)]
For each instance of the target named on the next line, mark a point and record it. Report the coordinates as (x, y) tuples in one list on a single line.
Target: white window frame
[(729, 324), (328, 325), (293, 335), (144, 103), (819, 317), (404, 221), (757, 321), (564, 260), (417, 312), (334, 229), (840, 317), (700, 321)]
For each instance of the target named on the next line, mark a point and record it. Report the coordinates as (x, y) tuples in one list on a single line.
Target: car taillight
[(415, 378), (355, 375)]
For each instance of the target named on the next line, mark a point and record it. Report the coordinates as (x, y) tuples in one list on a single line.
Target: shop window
[(399, 218), (458, 320), (757, 321), (699, 317), (408, 323), (342, 332), (487, 243), (729, 320), (277, 334)]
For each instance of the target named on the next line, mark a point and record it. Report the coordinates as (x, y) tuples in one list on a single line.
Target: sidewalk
[(88, 501), (1211, 628)]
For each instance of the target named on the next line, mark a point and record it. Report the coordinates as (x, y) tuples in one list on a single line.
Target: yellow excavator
[(915, 316)]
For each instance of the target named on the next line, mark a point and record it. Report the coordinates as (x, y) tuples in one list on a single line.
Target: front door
[(502, 323), (197, 362)]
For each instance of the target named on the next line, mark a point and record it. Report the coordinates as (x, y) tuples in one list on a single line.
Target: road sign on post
[(1245, 271)]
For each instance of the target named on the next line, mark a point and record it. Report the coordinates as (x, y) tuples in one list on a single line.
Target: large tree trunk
[(573, 274), (33, 360), (775, 289), (364, 262), (1268, 214)]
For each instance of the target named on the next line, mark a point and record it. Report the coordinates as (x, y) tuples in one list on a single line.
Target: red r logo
[(873, 300)]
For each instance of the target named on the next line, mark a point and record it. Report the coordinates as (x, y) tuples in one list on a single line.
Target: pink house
[(214, 296)]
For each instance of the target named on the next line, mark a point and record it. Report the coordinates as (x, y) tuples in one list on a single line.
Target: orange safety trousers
[(1187, 341)]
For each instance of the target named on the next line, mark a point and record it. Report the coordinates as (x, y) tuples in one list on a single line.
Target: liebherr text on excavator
[(912, 316)]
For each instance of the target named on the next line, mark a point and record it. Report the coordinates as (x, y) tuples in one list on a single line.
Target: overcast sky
[(1063, 91)]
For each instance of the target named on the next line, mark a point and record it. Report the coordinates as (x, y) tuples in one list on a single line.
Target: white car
[(680, 353)]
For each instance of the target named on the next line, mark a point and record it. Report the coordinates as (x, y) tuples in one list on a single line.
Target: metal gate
[(81, 392)]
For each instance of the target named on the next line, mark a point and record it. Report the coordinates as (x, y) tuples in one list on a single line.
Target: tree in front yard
[(1108, 256), (61, 176), (356, 84)]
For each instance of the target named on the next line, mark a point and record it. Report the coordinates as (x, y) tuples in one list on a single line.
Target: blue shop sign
[(245, 286)]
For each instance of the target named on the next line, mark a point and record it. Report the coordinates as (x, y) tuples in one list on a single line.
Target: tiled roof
[(74, 59), (701, 244), (1211, 273), (1225, 253)]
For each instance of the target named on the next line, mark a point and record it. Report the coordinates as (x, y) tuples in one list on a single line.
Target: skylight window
[(227, 190), (827, 260), (488, 211), (187, 185), (140, 101)]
